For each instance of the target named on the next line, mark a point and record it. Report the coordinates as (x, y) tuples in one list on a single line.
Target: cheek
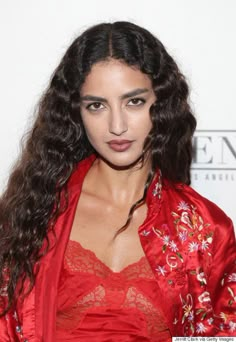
[(88, 124), (89, 132), (144, 125), (149, 122), (92, 129)]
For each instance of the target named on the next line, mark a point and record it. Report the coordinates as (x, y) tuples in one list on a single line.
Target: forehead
[(114, 76)]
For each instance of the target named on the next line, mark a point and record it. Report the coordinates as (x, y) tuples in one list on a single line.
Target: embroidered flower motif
[(172, 261), (187, 311), (210, 320), (191, 316), (183, 236), (204, 245), (173, 246), (209, 239), (233, 297), (183, 206), (223, 316), (193, 246), (161, 270), (175, 321), (232, 326), (191, 228), (204, 297), (158, 187), (194, 235), (221, 326), (155, 190), (232, 277), (166, 239), (145, 233), (185, 218), (187, 305), (201, 277), (200, 328)]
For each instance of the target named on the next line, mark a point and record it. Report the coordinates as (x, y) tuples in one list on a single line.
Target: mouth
[(120, 145)]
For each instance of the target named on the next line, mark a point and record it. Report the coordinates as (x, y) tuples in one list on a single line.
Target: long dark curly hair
[(57, 142)]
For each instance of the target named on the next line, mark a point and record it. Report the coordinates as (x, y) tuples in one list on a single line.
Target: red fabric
[(190, 245), (97, 304)]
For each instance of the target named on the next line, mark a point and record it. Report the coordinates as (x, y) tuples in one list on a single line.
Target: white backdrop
[(200, 35)]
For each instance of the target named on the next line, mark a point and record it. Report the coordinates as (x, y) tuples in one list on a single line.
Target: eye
[(95, 106), (136, 102)]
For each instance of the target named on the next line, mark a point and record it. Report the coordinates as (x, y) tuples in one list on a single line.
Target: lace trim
[(100, 297), (80, 259), (118, 290)]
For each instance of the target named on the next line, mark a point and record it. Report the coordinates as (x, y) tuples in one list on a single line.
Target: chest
[(95, 225)]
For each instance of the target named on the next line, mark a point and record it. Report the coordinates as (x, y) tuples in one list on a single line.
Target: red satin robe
[(190, 245)]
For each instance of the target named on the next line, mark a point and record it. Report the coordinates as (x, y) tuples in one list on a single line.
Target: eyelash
[(140, 101), (89, 106)]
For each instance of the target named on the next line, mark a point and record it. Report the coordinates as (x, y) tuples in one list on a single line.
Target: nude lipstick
[(120, 145)]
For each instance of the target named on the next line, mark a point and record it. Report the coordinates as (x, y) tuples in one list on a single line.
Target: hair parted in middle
[(57, 142), (173, 122)]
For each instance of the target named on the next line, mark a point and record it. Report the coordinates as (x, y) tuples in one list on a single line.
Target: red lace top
[(97, 304)]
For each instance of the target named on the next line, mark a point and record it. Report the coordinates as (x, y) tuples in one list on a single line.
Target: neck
[(121, 187)]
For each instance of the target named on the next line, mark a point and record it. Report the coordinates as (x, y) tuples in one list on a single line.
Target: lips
[(120, 145)]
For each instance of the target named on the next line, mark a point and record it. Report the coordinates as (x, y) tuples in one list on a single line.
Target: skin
[(116, 101)]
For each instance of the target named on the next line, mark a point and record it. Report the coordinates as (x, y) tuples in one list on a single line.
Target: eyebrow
[(131, 93)]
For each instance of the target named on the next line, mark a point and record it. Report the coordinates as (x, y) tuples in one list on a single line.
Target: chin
[(122, 162)]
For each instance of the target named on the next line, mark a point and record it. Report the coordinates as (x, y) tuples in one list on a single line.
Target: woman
[(102, 239)]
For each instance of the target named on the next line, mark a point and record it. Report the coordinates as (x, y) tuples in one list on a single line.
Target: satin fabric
[(190, 245), (113, 306)]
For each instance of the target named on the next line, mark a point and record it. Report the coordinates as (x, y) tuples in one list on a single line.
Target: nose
[(118, 122)]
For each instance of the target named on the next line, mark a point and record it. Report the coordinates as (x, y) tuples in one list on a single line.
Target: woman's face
[(115, 104)]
